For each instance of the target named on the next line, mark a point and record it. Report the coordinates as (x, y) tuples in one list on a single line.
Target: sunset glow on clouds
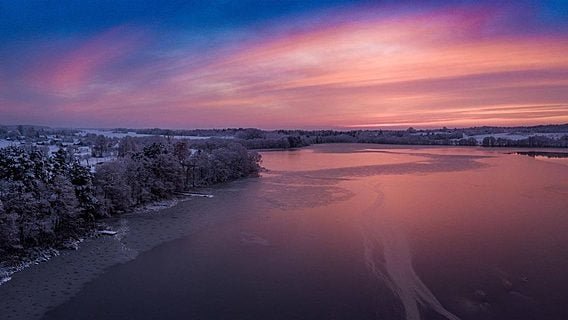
[(336, 66)]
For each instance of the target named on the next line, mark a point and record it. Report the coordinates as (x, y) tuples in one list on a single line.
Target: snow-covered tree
[(114, 193), (82, 180)]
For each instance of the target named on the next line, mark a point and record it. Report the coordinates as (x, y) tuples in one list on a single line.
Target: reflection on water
[(360, 232)]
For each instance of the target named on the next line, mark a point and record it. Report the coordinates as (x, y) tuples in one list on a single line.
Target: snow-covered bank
[(34, 256), (19, 263)]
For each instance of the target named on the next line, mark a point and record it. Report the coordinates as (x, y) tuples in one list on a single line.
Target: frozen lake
[(332, 232)]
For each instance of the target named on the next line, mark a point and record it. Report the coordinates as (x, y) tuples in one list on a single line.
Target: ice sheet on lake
[(394, 266)]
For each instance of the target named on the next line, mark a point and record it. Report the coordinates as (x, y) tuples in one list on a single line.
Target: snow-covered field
[(112, 134), (92, 162)]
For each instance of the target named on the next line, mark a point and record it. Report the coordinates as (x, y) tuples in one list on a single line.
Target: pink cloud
[(358, 73), (427, 69), (77, 68)]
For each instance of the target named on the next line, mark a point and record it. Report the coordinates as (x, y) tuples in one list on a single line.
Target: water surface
[(358, 232)]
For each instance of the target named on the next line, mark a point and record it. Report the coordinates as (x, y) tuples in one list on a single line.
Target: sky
[(283, 63)]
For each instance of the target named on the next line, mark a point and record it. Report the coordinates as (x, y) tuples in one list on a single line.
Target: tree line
[(283, 139), (47, 199)]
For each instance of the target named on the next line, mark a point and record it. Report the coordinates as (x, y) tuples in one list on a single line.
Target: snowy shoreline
[(37, 255)]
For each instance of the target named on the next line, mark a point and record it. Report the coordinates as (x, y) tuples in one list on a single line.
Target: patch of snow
[(52, 149), (36, 257), (198, 195), (111, 133), (4, 279), (92, 162), (6, 143), (107, 232), (158, 205)]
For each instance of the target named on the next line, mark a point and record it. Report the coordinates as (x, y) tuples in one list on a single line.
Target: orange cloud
[(436, 69), (360, 74)]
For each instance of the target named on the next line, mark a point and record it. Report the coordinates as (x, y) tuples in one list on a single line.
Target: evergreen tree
[(82, 180)]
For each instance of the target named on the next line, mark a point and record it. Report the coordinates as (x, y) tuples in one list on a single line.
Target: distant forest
[(282, 139)]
